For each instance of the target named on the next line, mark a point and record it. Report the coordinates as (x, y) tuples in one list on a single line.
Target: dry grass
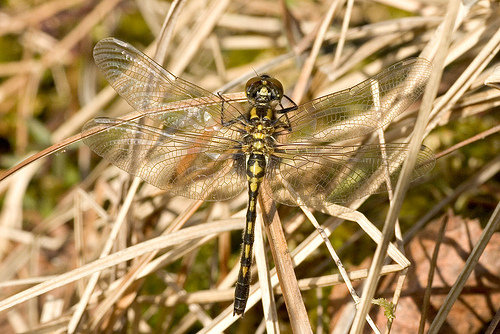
[(84, 248)]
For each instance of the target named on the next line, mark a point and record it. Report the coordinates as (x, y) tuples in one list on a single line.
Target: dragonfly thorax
[(259, 136)]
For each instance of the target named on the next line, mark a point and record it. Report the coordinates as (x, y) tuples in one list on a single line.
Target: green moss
[(133, 29), (11, 50)]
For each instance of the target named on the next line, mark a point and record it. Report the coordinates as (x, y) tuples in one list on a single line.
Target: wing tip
[(108, 45)]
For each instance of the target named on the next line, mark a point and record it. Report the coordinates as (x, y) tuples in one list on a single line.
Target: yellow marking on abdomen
[(255, 169)]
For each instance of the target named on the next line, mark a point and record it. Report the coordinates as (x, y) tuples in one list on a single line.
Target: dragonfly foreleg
[(285, 111)]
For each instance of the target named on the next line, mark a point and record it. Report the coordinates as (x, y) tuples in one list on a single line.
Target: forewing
[(200, 166), (360, 109), (157, 93), (322, 175)]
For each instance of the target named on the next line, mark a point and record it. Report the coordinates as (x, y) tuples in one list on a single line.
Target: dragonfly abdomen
[(256, 167)]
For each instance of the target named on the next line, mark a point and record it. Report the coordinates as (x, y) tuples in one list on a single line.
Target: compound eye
[(276, 86), (251, 83)]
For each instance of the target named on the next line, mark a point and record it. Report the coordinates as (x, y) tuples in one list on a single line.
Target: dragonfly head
[(263, 89)]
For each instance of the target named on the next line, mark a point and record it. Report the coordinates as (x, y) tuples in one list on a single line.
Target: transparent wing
[(360, 109), (157, 93), (199, 166), (321, 175)]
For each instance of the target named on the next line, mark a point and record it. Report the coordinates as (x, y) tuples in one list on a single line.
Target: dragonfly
[(202, 145)]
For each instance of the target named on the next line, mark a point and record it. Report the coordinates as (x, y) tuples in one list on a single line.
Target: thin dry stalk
[(343, 31), (494, 323), (132, 252), (199, 33), (307, 68), (284, 267), (268, 302), (404, 179), (478, 179), (471, 263), (430, 278)]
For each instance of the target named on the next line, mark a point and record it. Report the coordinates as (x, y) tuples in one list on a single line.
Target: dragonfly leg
[(239, 119), (285, 111)]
